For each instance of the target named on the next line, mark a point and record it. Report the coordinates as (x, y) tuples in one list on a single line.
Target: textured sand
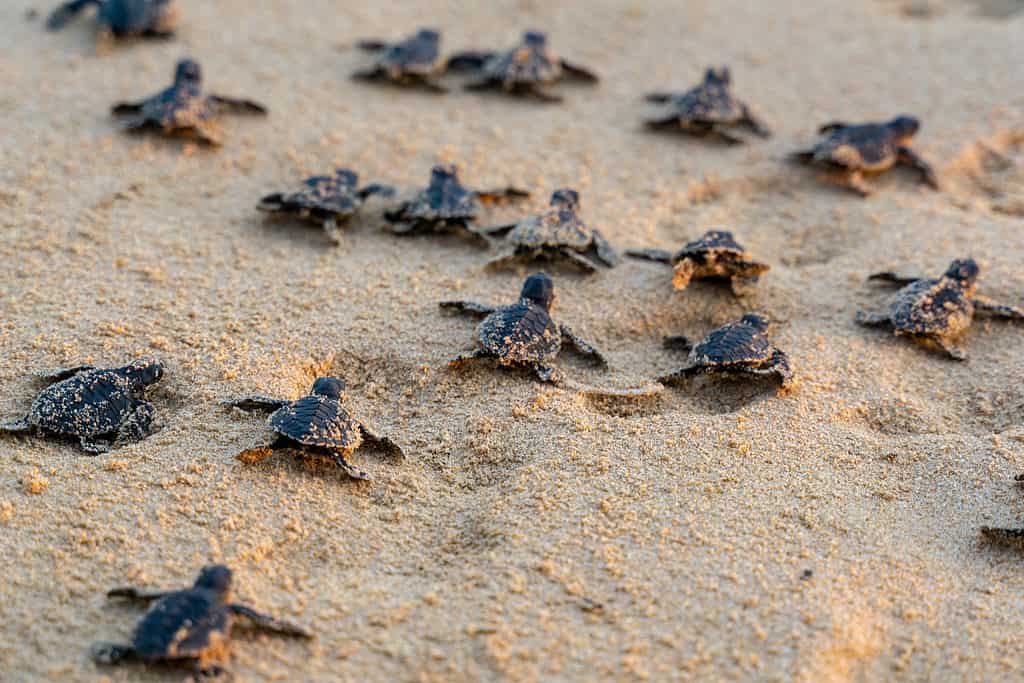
[(690, 519)]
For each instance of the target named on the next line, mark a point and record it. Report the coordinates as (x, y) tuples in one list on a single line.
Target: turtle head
[(719, 75), (904, 126), (215, 578), (539, 290), (188, 71), (758, 322), (429, 35), (964, 271), (442, 174), (144, 371), (535, 39), (331, 387), (347, 177), (566, 199)]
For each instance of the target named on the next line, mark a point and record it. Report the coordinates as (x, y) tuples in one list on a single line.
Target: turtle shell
[(735, 343), (323, 195), (713, 241), (182, 625), (89, 404), (449, 201), (931, 307), (317, 421), (869, 147), (553, 228), (132, 17), (520, 333)]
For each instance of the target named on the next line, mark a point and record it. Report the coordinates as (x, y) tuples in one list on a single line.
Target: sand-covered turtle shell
[(712, 244), (89, 404), (531, 62), (445, 199), (521, 333), (711, 101), (931, 307), (181, 625), (317, 421), (735, 343), (321, 196), (556, 227)]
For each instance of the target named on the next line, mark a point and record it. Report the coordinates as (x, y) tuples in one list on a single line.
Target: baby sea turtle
[(740, 348), (715, 254), (122, 18), (524, 70), (190, 627), (854, 150), (523, 333), (102, 408), (183, 108), (445, 204), (316, 424), (559, 232), (414, 61), (327, 200), (707, 109), (936, 312)]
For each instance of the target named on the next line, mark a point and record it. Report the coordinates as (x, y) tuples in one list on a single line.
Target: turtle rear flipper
[(21, 426), (991, 307), (138, 425), (267, 623), (911, 158), (61, 16)]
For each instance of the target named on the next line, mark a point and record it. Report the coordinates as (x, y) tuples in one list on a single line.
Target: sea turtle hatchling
[(415, 61), (708, 109), (715, 254), (524, 70), (183, 109), (445, 204), (559, 232), (102, 408), (190, 627), (935, 312), (523, 333), (122, 18), (316, 424), (857, 149), (327, 200), (740, 348)]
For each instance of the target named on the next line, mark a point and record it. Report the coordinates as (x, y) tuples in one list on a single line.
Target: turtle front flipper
[(382, 442), (832, 126), (350, 469), (682, 273), (742, 285), (954, 352), (778, 366), (464, 358), (61, 374), (677, 343), (468, 307), (112, 653), (500, 194), (376, 188), (911, 158), (268, 623), (890, 277), (579, 72), (467, 61), (754, 123), (256, 403), (60, 17), (872, 319), (136, 594), (504, 259), (585, 264), (991, 307), (127, 108), (656, 255), (497, 229), (582, 346), (372, 45), (333, 230), (605, 251), (17, 427), (682, 373), (855, 181), (659, 97), (548, 374), (236, 106)]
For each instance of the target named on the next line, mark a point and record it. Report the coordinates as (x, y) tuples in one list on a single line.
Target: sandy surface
[(690, 519)]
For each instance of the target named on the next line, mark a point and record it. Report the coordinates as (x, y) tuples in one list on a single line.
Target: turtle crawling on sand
[(101, 408), (190, 627), (715, 254), (415, 61), (935, 312), (183, 109), (524, 70), (559, 232), (853, 150), (522, 333), (740, 348), (327, 200), (122, 18), (445, 204), (708, 109), (317, 424)]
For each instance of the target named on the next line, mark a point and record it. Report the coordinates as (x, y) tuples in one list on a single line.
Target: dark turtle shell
[(316, 420), (89, 404), (744, 342), (417, 55), (183, 104), (321, 196), (866, 147), (521, 333), (932, 307), (445, 199), (122, 17), (182, 625), (713, 241)]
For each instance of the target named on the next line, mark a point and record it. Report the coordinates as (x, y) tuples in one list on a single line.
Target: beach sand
[(714, 532)]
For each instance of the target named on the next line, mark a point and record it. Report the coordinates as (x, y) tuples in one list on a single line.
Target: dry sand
[(690, 519)]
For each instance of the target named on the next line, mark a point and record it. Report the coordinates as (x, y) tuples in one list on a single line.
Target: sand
[(716, 532)]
